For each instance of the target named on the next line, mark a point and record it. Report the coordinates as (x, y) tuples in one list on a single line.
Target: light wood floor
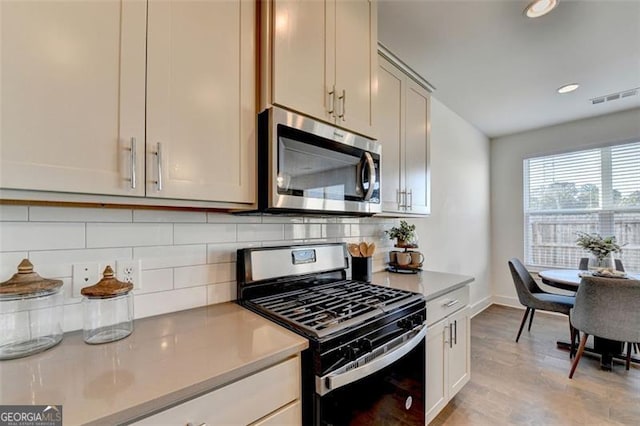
[(527, 383)]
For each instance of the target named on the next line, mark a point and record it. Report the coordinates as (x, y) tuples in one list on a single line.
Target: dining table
[(569, 279)]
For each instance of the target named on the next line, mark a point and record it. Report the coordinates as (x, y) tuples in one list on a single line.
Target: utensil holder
[(361, 269)]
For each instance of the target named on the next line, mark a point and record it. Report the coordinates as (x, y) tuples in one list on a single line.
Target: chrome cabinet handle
[(410, 195), (372, 175), (343, 111), (455, 332), (133, 160), (402, 199), (450, 336), (344, 104), (332, 102), (450, 304), (159, 163)]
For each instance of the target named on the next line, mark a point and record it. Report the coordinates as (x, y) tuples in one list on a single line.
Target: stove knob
[(353, 351), (366, 345)]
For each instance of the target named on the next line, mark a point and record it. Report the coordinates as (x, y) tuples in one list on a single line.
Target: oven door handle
[(334, 381)]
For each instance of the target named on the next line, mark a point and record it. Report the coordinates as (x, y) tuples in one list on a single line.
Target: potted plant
[(404, 234), (599, 247)]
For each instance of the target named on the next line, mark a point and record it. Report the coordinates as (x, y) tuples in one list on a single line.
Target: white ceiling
[(500, 70)]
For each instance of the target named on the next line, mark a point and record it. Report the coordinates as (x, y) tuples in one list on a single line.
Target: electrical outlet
[(129, 271), (84, 275)]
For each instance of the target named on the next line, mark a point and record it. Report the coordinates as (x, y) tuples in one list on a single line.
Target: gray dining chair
[(607, 308), (534, 298), (584, 264)]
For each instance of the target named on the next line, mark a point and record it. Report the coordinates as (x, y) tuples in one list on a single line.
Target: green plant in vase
[(403, 234), (599, 247)]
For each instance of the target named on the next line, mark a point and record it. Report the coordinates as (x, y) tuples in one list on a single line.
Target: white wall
[(507, 154), (455, 238)]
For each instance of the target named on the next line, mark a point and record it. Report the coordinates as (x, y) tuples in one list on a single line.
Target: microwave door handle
[(330, 382), (368, 160)]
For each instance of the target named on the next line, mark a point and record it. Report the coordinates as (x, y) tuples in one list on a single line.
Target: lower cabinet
[(268, 397), (448, 350)]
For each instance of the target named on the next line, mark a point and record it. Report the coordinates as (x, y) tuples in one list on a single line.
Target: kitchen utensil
[(364, 248), (354, 250), (31, 313), (371, 250), (107, 309)]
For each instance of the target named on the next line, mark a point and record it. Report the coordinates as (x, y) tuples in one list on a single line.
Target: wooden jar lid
[(108, 286), (27, 283)]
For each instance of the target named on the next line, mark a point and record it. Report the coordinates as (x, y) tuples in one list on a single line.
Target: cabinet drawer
[(447, 304), (241, 402), (291, 415)]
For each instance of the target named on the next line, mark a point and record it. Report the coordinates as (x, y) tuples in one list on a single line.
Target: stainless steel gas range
[(366, 358)]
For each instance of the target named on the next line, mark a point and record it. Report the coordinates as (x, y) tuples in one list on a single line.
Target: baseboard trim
[(480, 306), (507, 301), (513, 302)]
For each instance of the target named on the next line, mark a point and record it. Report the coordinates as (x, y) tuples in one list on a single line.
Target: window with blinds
[(593, 191)]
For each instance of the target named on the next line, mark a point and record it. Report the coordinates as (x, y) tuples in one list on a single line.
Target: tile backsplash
[(187, 258)]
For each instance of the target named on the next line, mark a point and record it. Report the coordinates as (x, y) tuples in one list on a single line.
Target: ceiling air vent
[(615, 96)]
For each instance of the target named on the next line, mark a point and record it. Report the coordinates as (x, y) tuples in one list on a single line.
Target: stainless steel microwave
[(305, 165)]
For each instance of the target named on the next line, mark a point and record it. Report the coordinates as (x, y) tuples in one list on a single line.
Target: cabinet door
[(72, 96), (356, 67), (300, 80), (391, 126), (437, 349), (459, 354), (201, 100), (417, 148)]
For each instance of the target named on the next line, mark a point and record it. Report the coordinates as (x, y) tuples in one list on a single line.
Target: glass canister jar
[(107, 309), (31, 312)]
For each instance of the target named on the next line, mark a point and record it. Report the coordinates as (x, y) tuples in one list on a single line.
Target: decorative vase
[(596, 262)]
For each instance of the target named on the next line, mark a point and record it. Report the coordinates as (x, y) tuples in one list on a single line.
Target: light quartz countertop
[(431, 284), (167, 359)]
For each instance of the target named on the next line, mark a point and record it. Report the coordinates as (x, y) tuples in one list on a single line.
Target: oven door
[(386, 390), (317, 167)]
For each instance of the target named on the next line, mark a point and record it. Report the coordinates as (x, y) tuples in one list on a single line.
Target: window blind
[(593, 191)]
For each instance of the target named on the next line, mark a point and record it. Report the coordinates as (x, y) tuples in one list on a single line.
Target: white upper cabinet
[(391, 108), (201, 100), (299, 45), (356, 41), (320, 60), (404, 134), (416, 151), (77, 77), (72, 96)]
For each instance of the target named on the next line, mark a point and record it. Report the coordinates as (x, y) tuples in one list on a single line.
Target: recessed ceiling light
[(538, 8), (568, 88)]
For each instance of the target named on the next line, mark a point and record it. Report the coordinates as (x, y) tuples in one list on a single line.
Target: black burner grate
[(327, 308)]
